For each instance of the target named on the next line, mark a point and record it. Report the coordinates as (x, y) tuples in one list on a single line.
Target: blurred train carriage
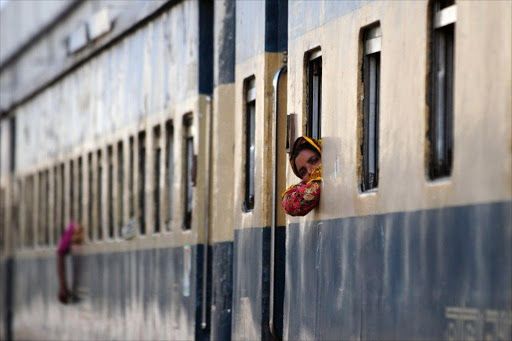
[(163, 128)]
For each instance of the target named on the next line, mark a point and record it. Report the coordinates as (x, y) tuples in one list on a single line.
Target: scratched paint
[(434, 274)]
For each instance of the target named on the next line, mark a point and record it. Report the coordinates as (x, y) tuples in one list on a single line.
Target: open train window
[(43, 226), (371, 102), (131, 161), (120, 185), (169, 172), (250, 141), (99, 196), (314, 93), (71, 202), (142, 181), (110, 190), (443, 15), (29, 211), (80, 189), (90, 201), (189, 168), (55, 194), (62, 198), (157, 151), (47, 208)]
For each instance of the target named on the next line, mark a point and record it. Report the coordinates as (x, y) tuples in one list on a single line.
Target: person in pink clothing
[(73, 234)]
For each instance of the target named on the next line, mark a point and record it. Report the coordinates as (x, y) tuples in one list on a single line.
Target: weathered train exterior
[(163, 128)]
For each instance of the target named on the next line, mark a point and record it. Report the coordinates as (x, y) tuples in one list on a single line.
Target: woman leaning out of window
[(306, 163)]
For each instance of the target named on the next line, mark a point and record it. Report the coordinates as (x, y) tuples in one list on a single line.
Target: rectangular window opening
[(42, 238), (56, 203), (71, 190), (250, 142), (29, 202), (188, 170), (120, 185), (169, 172), (156, 178), (62, 199), (131, 175), (442, 51), (47, 207), (90, 187), (314, 94), (80, 190), (99, 196), (110, 191), (142, 181), (371, 82)]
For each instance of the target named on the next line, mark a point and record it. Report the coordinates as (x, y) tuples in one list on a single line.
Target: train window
[(90, 201), (42, 238), (110, 190), (12, 127), (189, 170), (120, 185), (156, 177), (99, 196), (17, 216), (169, 172), (80, 190), (62, 198), (442, 50), (371, 83), (55, 195), (131, 161), (29, 211), (47, 208), (71, 189), (142, 181), (314, 93), (250, 141)]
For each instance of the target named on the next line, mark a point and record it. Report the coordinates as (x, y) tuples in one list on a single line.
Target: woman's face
[(306, 161)]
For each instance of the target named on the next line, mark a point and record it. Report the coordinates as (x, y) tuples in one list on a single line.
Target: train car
[(164, 128), (114, 139), (413, 235)]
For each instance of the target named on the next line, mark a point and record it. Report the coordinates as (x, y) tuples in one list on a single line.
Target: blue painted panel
[(222, 287), (251, 283), (307, 15), (206, 47), (123, 285), (276, 25), (398, 276)]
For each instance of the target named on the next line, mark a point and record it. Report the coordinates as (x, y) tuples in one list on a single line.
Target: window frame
[(440, 101), (249, 144), (189, 168), (313, 75), (370, 79)]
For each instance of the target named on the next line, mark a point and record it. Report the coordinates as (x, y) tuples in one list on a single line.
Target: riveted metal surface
[(413, 275)]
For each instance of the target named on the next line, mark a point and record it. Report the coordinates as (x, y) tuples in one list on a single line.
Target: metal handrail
[(275, 83), (207, 209)]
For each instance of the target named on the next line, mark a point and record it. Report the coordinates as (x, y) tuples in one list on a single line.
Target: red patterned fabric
[(300, 199)]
